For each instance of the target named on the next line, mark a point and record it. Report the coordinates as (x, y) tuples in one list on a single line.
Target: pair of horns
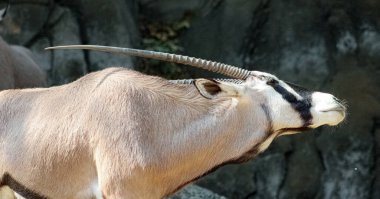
[(224, 69)]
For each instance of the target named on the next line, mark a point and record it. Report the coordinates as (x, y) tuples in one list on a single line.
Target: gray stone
[(225, 180), (195, 192), (107, 23), (288, 47), (376, 182), (347, 172), (38, 2), (305, 61), (269, 176), (23, 22), (304, 169), (347, 43), (68, 65), (369, 43), (370, 40), (42, 56), (217, 33), (169, 11)]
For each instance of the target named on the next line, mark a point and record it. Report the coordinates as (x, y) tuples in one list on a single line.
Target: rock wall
[(327, 45), (41, 23)]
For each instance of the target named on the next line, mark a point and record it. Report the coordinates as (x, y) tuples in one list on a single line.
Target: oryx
[(118, 133)]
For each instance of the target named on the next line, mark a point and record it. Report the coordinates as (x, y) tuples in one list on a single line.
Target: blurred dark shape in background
[(330, 45)]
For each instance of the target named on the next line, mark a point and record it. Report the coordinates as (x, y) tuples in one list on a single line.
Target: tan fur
[(17, 68), (127, 131)]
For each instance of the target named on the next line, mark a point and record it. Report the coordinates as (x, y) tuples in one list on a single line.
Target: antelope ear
[(211, 89)]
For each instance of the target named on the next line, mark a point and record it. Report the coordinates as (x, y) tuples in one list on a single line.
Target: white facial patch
[(326, 110)]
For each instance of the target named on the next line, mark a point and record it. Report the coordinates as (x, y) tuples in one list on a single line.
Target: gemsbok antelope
[(122, 134)]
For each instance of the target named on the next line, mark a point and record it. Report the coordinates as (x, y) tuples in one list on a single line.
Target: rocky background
[(327, 45)]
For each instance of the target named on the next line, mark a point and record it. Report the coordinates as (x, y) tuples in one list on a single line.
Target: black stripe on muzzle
[(301, 106)]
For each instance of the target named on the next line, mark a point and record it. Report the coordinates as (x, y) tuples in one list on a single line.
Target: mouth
[(340, 109), (337, 109)]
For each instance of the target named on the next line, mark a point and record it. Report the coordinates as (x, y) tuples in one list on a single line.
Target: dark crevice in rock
[(375, 169), (47, 25), (330, 48), (250, 195), (84, 40), (77, 13), (210, 6), (335, 21), (320, 155), (45, 31), (287, 156), (254, 33)]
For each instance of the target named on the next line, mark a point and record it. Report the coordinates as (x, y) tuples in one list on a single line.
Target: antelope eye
[(272, 81)]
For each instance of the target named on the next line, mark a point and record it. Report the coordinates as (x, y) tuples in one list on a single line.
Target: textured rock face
[(67, 65), (196, 192), (328, 45), (226, 178), (109, 23), (376, 184), (38, 24)]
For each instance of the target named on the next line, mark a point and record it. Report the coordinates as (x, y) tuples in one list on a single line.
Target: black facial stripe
[(301, 106), (19, 188)]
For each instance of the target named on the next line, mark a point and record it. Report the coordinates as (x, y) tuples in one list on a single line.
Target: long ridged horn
[(190, 81), (224, 69)]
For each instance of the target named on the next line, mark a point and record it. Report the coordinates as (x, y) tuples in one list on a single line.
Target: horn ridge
[(190, 81), (217, 67)]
